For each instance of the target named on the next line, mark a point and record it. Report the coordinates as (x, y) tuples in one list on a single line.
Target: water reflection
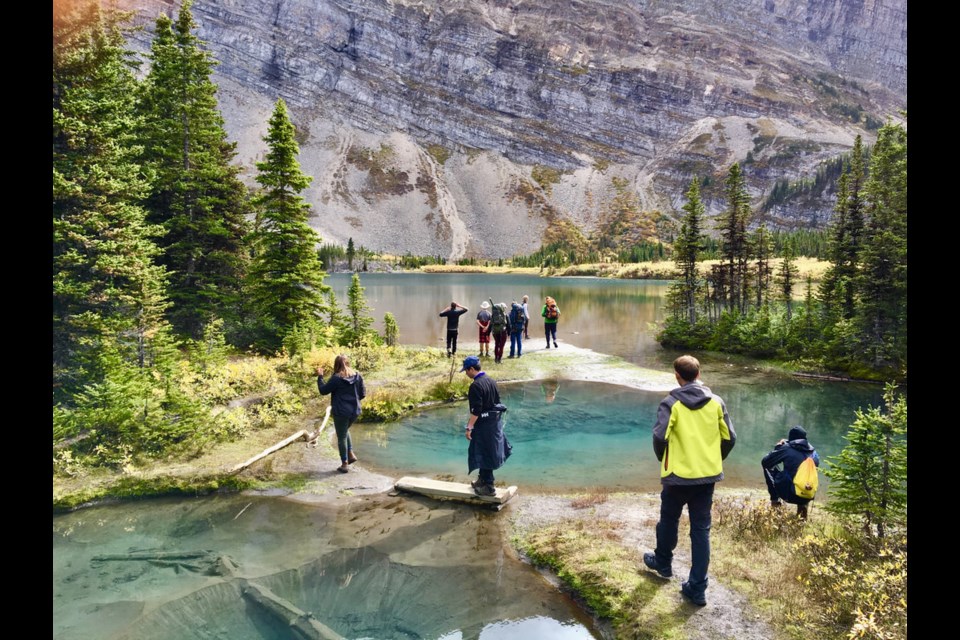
[(379, 568)]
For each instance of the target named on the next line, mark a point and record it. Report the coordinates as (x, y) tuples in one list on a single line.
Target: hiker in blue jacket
[(780, 466)]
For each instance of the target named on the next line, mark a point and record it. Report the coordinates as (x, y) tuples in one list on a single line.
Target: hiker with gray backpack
[(790, 471)]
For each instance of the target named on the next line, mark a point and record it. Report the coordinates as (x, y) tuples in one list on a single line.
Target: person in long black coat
[(489, 447)]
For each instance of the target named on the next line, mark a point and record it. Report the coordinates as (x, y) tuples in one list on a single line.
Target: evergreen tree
[(351, 252), (846, 230), (762, 251), (336, 320), (107, 293), (391, 332), (732, 224), (285, 278), (686, 254), (881, 315), (787, 278), (195, 193), (360, 320), (868, 479)]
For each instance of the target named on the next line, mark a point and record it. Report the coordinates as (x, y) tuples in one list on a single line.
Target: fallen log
[(154, 555), (312, 438), (299, 435), (301, 622)]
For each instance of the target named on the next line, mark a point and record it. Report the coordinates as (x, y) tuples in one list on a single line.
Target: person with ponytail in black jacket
[(346, 389)]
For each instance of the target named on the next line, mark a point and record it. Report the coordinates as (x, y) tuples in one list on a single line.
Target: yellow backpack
[(805, 481)]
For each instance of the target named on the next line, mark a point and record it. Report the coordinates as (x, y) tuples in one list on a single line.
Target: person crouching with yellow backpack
[(791, 471)]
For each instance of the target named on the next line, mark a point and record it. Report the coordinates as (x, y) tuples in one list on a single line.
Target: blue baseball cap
[(470, 361)]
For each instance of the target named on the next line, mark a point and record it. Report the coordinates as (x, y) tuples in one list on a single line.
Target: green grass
[(590, 558)]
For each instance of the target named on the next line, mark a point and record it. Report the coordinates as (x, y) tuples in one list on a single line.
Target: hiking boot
[(555, 345), (650, 559), (802, 511), (548, 345), (775, 504), (485, 490), (351, 457), (343, 468), (687, 592)]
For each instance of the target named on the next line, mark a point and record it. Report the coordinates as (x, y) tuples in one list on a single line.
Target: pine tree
[(391, 332), (787, 278), (195, 193), (107, 292), (881, 315), (350, 253), (285, 278), (868, 479), (762, 251), (336, 320), (360, 320), (732, 224), (686, 253)]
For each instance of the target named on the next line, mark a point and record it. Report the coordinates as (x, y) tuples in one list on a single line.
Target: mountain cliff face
[(471, 127)]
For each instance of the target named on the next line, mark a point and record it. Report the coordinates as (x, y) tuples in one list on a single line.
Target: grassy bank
[(260, 401), (661, 270), (803, 579)]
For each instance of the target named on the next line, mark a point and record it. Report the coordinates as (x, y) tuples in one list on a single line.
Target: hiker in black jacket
[(780, 466), (346, 387)]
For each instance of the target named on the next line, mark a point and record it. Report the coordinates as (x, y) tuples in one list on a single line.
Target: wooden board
[(456, 490)]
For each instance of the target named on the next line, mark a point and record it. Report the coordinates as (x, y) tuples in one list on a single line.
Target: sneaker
[(555, 346), (343, 468), (696, 598), (548, 345), (485, 490), (650, 559)]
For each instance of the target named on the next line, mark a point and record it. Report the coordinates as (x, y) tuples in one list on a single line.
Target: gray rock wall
[(654, 92)]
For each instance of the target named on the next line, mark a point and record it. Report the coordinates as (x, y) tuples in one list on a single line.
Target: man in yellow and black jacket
[(692, 436)]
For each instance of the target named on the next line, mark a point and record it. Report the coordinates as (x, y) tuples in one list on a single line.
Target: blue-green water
[(409, 567), (609, 316), (569, 435), (382, 568)]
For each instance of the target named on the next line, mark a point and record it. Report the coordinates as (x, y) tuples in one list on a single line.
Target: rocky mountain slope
[(470, 127)]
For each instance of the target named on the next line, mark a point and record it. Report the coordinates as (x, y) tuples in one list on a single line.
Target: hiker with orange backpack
[(791, 471)]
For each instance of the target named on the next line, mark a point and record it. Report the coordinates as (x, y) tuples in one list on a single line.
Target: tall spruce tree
[(686, 253), (734, 245), (106, 288), (195, 192), (787, 279), (837, 288), (285, 277), (762, 251), (881, 315)]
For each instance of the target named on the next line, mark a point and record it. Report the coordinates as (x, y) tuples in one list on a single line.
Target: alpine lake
[(385, 567)]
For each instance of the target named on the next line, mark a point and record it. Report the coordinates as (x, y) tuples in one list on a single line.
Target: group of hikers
[(499, 321), (692, 435)]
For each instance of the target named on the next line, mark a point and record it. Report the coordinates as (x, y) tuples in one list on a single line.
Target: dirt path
[(727, 614)]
